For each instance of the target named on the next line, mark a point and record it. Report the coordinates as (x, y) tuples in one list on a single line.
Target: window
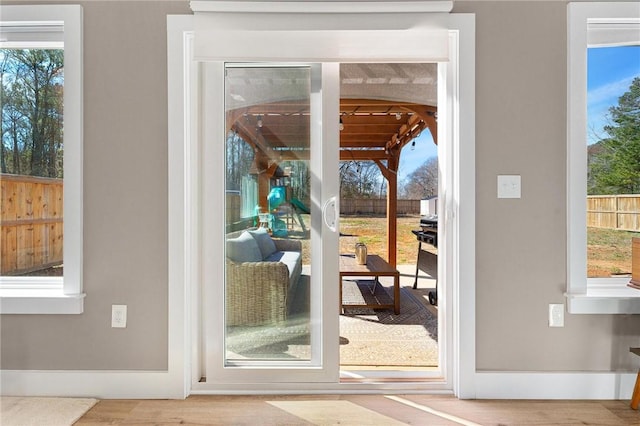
[(592, 26), (41, 59)]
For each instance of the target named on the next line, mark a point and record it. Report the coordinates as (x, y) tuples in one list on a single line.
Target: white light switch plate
[(508, 186)]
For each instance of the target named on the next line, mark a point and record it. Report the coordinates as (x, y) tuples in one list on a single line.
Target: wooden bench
[(635, 398), (375, 267)]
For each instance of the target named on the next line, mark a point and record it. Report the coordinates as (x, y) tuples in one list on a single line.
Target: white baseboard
[(93, 384), (155, 385), (560, 385)]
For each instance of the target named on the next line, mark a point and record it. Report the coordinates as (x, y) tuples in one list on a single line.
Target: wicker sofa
[(262, 273)]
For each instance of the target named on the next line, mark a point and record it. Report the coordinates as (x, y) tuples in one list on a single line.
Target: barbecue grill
[(427, 261)]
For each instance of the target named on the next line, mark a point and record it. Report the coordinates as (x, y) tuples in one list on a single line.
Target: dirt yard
[(608, 252), (373, 232)]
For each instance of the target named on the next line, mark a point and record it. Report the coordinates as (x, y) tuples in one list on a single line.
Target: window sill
[(38, 296), (612, 298)]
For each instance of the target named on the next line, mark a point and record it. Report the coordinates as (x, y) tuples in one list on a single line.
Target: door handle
[(330, 213)]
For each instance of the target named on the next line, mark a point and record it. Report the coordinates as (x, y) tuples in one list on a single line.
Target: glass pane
[(613, 152), (32, 161), (267, 213)]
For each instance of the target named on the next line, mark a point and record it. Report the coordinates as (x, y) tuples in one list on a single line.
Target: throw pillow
[(243, 249), (265, 243)]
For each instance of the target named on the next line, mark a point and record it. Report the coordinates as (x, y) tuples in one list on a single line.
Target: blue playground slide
[(276, 196), (299, 205)]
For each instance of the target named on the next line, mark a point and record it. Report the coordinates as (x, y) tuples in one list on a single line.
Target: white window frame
[(44, 26), (589, 295)]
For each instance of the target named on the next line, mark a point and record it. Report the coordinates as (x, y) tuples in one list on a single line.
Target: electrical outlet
[(119, 316), (556, 315)]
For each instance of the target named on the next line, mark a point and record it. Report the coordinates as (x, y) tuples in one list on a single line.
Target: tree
[(32, 111), (240, 157), (359, 179), (614, 163), (423, 182)]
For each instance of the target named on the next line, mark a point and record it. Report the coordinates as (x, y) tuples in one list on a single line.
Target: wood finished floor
[(357, 410)]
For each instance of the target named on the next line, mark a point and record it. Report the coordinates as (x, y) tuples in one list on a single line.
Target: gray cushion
[(265, 243), (243, 249), (293, 260)]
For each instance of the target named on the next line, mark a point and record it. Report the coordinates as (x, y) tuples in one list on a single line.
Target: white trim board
[(489, 385), (240, 6), (560, 385), (96, 384)]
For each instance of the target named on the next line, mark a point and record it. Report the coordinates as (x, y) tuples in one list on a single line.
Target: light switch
[(508, 186)]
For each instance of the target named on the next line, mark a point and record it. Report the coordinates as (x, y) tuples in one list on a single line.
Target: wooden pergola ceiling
[(375, 129), (370, 129), (383, 107)]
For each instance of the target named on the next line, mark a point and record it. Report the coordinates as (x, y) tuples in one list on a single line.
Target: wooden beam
[(232, 117), (362, 155), (369, 128), (344, 103), (362, 143), (383, 169), (430, 119), (407, 132)]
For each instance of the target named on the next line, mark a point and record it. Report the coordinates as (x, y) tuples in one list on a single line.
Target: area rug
[(378, 337), (368, 337), (36, 411)]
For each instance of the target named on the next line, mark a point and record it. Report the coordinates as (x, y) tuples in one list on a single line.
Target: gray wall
[(521, 128), (521, 76), (125, 203)]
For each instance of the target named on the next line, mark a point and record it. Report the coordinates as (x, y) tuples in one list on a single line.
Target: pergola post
[(392, 210), (261, 162), (390, 173)]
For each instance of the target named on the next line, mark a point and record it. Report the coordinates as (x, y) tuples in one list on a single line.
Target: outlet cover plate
[(556, 315), (119, 316)]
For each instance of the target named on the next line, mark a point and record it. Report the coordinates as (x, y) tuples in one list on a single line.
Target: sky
[(411, 159), (609, 75)]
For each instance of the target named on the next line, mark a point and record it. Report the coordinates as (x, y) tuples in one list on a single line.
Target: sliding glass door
[(267, 218), (270, 278)]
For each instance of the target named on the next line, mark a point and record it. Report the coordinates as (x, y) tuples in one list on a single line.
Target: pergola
[(383, 107)]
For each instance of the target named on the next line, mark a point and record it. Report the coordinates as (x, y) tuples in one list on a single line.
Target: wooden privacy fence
[(614, 212), (350, 206), (377, 206), (31, 224)]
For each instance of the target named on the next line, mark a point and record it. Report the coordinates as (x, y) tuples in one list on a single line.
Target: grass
[(372, 231)]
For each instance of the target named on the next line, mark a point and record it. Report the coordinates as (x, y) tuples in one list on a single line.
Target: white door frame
[(184, 185)]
